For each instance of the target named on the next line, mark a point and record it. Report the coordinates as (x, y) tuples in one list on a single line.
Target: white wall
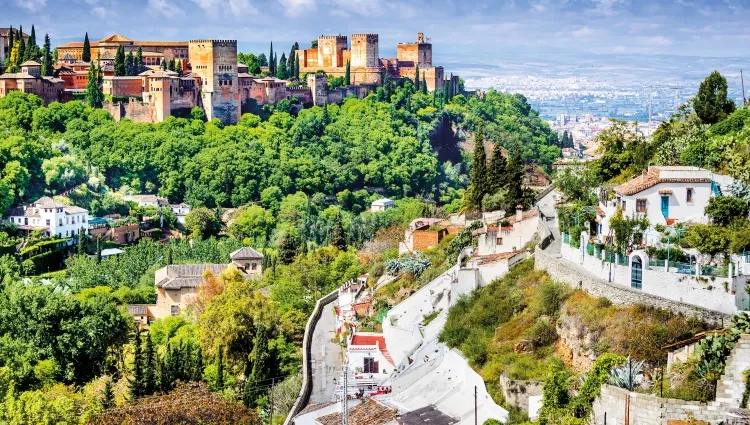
[(523, 232), (674, 286)]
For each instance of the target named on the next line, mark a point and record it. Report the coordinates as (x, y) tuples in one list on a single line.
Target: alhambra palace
[(214, 80)]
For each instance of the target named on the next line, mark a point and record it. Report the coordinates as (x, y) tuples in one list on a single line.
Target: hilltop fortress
[(214, 80)]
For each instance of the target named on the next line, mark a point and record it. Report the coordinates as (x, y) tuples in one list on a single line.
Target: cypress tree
[(497, 168), (178, 68), (514, 177), (86, 55), (139, 61), (108, 395), (220, 369), (424, 84), (271, 67), (387, 87), (149, 374), (98, 249), (164, 65), (198, 364), (348, 74), (47, 57), (337, 234), (275, 64), (21, 48), (261, 364), (54, 55), (32, 49), (171, 65), (296, 69), (247, 386), (282, 74), (416, 78), (130, 64), (169, 255), (82, 241), (291, 61), (120, 66), (136, 386), (13, 58), (11, 38), (175, 364), (165, 379), (94, 93), (479, 184)]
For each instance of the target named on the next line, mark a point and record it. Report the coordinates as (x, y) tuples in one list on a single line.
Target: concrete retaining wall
[(304, 395), (564, 271), (517, 393)]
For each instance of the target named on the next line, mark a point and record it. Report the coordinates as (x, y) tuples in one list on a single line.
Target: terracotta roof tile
[(653, 177), (369, 412), (489, 259)]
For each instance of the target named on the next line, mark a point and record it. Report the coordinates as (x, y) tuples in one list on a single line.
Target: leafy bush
[(722, 210), (709, 239), (552, 295), (542, 333)]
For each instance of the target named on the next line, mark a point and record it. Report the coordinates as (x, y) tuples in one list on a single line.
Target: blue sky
[(457, 27)]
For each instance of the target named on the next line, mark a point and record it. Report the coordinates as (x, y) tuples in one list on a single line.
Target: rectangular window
[(689, 195), (499, 241), (623, 205), (640, 205), (175, 310), (255, 266), (370, 366)]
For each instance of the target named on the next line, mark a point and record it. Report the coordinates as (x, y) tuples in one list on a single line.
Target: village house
[(52, 218), (381, 204), (177, 285), (507, 235), (117, 231), (30, 80), (370, 364), (425, 233), (664, 195)]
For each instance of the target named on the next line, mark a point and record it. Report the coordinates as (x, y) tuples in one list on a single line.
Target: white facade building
[(381, 204), (369, 361), (508, 237), (181, 211), (665, 195), (51, 217)]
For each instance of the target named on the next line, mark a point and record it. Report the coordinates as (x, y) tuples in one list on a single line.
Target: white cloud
[(164, 8), (584, 31), (296, 8), (242, 7), (32, 5), (99, 12), (237, 8)]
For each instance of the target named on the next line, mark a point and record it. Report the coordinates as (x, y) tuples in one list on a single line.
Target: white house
[(664, 194), (147, 200), (369, 361), (181, 211), (508, 235), (381, 204), (51, 217)]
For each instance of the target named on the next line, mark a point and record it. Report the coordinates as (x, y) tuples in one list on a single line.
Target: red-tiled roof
[(488, 259), (369, 412), (369, 340), (600, 211), (526, 215), (652, 178)]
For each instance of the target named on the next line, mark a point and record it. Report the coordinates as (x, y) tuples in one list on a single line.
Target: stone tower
[(215, 62), (365, 51), (160, 94), (331, 50), (318, 84)]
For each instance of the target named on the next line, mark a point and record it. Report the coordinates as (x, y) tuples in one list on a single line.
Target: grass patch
[(430, 317)]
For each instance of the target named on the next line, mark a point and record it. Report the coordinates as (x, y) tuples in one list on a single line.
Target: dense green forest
[(301, 185)]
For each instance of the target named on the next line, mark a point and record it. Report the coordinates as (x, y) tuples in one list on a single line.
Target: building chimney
[(519, 212)]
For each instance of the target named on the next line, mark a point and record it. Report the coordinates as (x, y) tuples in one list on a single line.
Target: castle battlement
[(216, 42), (364, 35), (332, 37), (298, 89)]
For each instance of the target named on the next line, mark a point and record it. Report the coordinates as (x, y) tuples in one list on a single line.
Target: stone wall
[(304, 395), (517, 392), (564, 271), (646, 409), (133, 110)]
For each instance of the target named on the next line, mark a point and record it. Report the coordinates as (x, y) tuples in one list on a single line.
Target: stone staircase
[(732, 384)]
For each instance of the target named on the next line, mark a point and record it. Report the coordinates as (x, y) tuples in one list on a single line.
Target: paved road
[(326, 357)]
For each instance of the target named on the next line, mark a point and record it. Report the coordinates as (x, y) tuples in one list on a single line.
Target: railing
[(656, 264), (683, 268), (715, 271)]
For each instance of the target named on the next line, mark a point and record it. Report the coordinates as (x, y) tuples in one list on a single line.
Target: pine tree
[(136, 386), (262, 60), (282, 74), (108, 395), (479, 184), (424, 84), (139, 61), (178, 68), (13, 58), (94, 93), (497, 168), (337, 234), (149, 364), (271, 65), (262, 363), (514, 177), (21, 48), (348, 74), (86, 55), (120, 66), (47, 57), (220, 369)]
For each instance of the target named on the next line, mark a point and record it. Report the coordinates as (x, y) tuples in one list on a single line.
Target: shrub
[(724, 209), (542, 333), (551, 297)]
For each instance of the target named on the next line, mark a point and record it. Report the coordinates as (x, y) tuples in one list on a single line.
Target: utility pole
[(742, 81), (476, 413), (270, 400), (344, 400)]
